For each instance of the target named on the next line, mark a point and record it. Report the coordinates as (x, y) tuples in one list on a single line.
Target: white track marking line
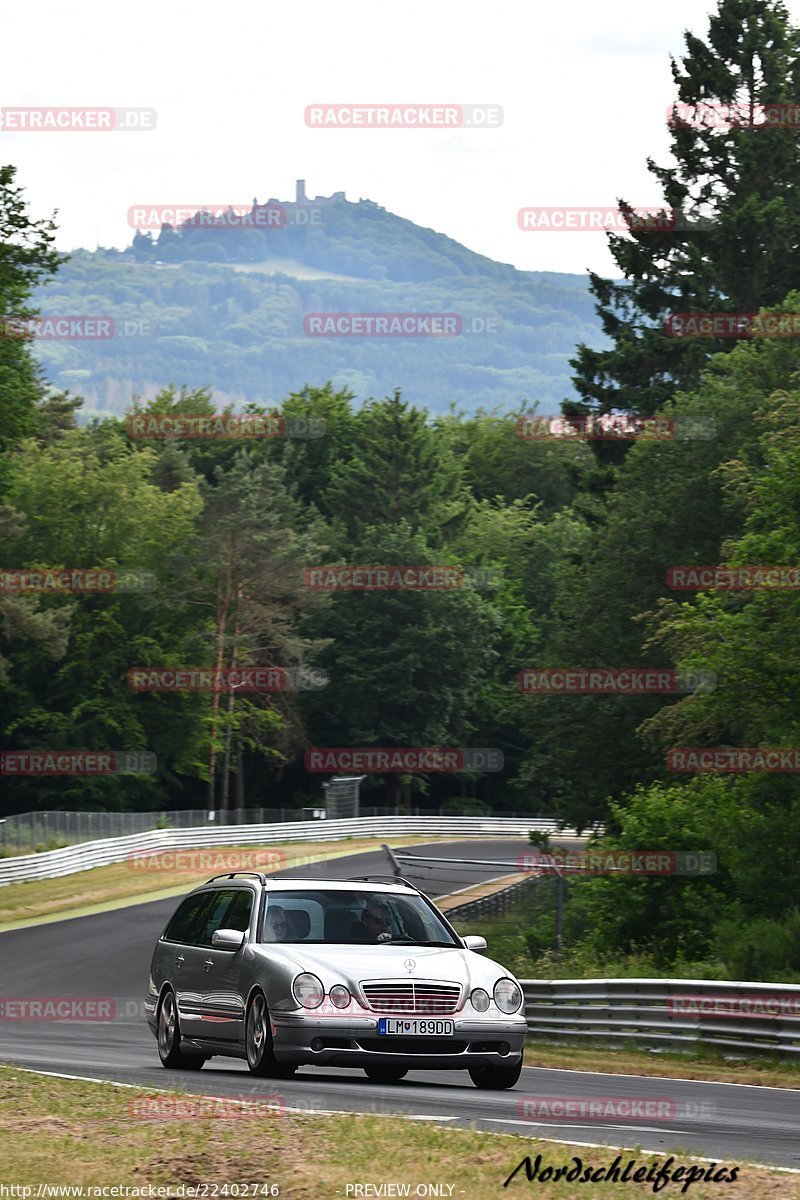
[(598, 1125), (764, 1087)]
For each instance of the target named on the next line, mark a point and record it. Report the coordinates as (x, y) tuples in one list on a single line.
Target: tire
[(385, 1074), (258, 1043), (169, 1038), (496, 1079)]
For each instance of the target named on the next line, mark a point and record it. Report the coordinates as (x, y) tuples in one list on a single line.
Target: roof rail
[(232, 874), (381, 876)]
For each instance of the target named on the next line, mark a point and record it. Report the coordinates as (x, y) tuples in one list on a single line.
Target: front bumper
[(355, 1042)]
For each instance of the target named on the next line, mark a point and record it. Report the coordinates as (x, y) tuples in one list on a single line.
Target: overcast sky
[(584, 90)]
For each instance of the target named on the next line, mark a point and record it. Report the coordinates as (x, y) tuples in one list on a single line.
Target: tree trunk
[(226, 767), (219, 635), (239, 784)]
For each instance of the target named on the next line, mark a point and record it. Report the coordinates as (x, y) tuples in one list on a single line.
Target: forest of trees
[(239, 327), (580, 534)]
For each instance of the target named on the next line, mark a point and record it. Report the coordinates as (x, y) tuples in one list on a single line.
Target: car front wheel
[(496, 1079), (169, 1038), (258, 1043)]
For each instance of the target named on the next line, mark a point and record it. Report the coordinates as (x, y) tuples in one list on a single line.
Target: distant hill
[(221, 301)]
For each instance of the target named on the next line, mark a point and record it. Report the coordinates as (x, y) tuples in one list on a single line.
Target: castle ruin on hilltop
[(301, 198)]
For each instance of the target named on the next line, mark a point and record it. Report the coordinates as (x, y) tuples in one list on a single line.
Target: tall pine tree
[(742, 178)]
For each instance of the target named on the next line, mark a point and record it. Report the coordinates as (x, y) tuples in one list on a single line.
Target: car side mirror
[(473, 942), (227, 939)]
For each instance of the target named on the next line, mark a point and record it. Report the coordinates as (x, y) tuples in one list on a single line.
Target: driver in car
[(373, 924)]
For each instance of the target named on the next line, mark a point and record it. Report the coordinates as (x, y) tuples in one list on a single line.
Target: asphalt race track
[(108, 955)]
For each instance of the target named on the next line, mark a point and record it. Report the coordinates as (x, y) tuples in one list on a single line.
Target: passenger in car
[(276, 928)]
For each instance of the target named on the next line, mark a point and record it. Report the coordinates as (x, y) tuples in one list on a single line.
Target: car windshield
[(323, 917)]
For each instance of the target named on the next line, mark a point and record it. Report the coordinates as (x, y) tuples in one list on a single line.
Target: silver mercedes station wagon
[(355, 973)]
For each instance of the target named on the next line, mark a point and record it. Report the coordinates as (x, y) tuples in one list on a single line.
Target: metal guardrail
[(648, 1012), (22, 833), (25, 832), (54, 863)]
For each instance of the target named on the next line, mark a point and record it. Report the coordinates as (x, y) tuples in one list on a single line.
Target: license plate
[(399, 1027)]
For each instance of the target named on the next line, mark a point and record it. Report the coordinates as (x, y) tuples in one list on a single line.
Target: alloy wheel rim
[(257, 1031)]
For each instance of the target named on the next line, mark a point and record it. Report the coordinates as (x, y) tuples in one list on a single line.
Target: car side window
[(238, 913), (211, 918), (181, 927)]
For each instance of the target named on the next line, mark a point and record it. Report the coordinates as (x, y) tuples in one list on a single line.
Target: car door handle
[(179, 961), (208, 964)]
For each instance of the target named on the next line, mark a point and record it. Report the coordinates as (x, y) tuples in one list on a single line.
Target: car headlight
[(340, 997), (507, 995), (480, 999), (308, 990)]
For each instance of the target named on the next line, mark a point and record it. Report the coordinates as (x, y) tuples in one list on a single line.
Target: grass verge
[(63, 1133), (715, 1068)]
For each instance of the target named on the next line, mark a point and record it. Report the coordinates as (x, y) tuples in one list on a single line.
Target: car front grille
[(411, 997)]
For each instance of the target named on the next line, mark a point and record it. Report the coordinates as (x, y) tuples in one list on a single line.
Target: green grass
[(59, 1132)]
